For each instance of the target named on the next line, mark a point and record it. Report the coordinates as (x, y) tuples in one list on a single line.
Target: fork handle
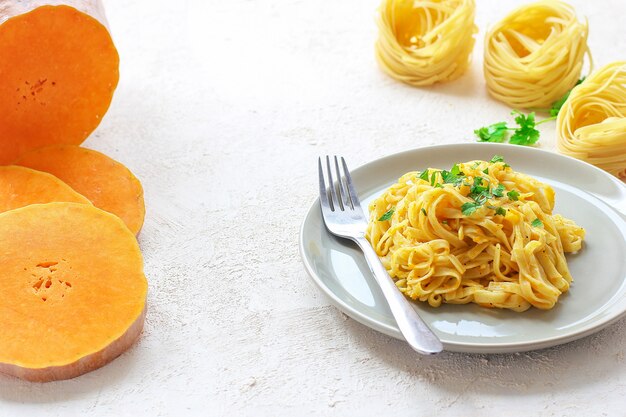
[(415, 331)]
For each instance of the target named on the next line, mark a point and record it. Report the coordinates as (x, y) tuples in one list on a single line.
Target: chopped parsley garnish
[(536, 223), (513, 195), (454, 176), (498, 191), (387, 215), (468, 208), (499, 210), (479, 191), (424, 211)]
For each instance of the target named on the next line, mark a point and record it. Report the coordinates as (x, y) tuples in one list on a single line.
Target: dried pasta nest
[(535, 54), (425, 42), (592, 123)]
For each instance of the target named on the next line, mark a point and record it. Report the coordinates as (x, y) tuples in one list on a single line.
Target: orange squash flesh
[(21, 186), (58, 71), (108, 184), (73, 290)]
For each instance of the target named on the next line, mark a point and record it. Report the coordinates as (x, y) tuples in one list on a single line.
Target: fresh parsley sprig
[(526, 132), (492, 133)]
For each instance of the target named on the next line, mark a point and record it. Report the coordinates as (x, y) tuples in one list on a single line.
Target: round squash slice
[(73, 290), (58, 71), (108, 184), (21, 186)]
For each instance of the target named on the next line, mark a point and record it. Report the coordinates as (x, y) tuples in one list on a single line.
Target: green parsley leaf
[(526, 134), (387, 215), (478, 187), (449, 177), (424, 211), (498, 191), (492, 133), (455, 170), (496, 158), (468, 208), (499, 210), (556, 106), (424, 175), (513, 195), (480, 191), (438, 185), (433, 179), (536, 223), (486, 171)]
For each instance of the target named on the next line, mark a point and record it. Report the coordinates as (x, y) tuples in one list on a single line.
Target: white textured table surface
[(221, 111)]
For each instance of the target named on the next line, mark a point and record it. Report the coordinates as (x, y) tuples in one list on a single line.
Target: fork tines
[(337, 194)]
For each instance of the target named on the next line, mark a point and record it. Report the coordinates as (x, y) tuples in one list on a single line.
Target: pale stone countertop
[(221, 111)]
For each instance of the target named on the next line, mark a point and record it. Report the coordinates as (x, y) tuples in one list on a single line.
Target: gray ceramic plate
[(584, 193)]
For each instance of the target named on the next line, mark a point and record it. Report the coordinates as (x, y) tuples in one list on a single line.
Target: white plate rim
[(470, 347)]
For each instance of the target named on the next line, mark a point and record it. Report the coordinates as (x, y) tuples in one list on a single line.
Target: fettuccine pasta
[(422, 42), (535, 54), (479, 233), (592, 123)]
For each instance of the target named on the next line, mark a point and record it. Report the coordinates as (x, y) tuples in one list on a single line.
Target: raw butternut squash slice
[(73, 291), (108, 184), (58, 71), (21, 186)]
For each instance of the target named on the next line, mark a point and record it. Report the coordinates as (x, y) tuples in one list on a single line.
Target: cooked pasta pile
[(425, 42), (479, 233), (592, 123), (535, 54)]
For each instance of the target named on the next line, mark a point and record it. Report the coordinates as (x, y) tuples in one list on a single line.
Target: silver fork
[(344, 217)]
